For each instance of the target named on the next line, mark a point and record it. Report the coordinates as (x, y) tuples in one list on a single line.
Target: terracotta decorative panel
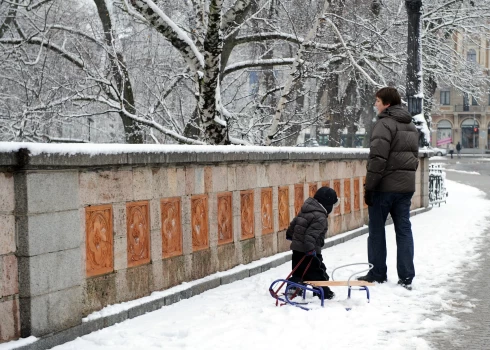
[(337, 224), (364, 205), (283, 204), (336, 188), (266, 211), (298, 197), (171, 227), (99, 240), (247, 213), (199, 222), (138, 232), (326, 184), (225, 218), (357, 194), (312, 189), (347, 194)]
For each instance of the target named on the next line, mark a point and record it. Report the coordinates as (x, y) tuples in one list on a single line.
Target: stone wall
[(9, 287), (98, 230)]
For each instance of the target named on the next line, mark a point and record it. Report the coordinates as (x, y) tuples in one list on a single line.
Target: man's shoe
[(369, 278), (405, 284)]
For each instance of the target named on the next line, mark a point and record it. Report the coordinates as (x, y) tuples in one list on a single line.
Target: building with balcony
[(459, 117)]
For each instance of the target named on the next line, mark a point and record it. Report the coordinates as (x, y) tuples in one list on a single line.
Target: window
[(445, 98), (474, 102), (471, 55), (444, 133), (470, 133), (466, 102), (323, 140)]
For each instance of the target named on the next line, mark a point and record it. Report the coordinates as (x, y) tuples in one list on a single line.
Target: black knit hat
[(326, 196)]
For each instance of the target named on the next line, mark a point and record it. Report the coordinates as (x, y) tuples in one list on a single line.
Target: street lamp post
[(414, 59)]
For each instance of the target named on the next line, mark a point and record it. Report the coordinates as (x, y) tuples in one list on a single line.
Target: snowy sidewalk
[(242, 315)]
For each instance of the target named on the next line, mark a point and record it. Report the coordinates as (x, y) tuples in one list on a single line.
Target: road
[(475, 331)]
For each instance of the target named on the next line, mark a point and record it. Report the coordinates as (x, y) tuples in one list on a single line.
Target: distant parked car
[(439, 151)]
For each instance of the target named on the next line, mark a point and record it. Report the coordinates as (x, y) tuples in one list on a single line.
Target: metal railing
[(437, 184)]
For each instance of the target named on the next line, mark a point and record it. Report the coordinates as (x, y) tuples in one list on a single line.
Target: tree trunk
[(430, 86), (335, 112), (132, 130), (215, 129)]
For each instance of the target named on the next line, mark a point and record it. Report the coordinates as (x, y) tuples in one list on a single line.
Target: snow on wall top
[(106, 149)]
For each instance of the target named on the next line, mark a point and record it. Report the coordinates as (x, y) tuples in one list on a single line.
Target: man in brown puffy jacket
[(389, 187)]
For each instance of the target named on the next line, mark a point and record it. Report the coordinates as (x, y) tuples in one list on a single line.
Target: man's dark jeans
[(398, 205)]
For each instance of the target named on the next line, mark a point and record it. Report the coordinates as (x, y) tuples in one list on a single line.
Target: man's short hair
[(389, 95)]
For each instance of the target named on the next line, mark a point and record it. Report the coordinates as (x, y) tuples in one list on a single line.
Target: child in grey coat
[(307, 235)]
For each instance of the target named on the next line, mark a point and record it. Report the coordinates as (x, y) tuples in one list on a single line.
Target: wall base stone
[(201, 264), (249, 252), (227, 257), (10, 327), (174, 271), (98, 292)]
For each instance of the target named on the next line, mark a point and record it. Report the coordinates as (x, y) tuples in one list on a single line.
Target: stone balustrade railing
[(82, 227)]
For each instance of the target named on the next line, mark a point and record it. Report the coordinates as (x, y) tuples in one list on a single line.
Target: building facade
[(459, 117)]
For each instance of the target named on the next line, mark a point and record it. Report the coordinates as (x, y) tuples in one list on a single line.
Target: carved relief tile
[(138, 232), (98, 240), (357, 195), (336, 188), (326, 184), (247, 213), (171, 227), (199, 222), (313, 187), (283, 207), (347, 196), (298, 197), (225, 218), (266, 211)]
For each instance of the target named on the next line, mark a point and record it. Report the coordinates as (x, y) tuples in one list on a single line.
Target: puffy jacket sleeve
[(290, 230), (379, 152), (315, 230)]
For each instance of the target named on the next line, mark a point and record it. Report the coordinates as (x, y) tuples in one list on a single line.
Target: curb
[(255, 268)]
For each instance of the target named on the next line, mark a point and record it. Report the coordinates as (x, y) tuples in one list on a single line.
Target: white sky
[(242, 315)]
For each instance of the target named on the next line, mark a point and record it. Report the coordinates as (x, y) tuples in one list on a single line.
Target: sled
[(292, 288)]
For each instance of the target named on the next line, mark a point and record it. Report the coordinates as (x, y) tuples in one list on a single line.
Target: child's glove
[(289, 238), (311, 253)]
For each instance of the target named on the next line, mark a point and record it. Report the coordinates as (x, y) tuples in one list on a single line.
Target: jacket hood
[(311, 204), (398, 113)]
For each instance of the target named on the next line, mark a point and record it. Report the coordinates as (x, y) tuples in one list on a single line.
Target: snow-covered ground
[(463, 171), (242, 315)]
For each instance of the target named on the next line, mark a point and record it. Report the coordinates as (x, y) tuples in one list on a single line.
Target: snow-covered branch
[(179, 39), (258, 63)]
